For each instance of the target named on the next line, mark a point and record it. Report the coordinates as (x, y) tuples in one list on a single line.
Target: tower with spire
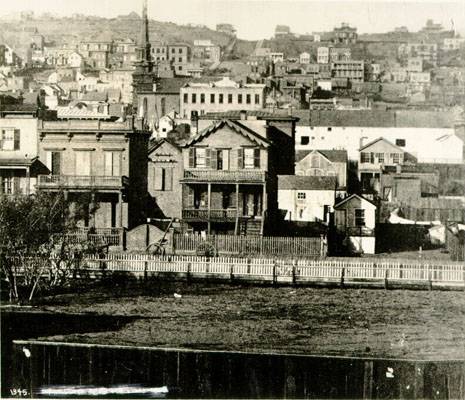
[(144, 76)]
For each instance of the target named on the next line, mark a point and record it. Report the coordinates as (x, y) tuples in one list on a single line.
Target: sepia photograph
[(256, 199)]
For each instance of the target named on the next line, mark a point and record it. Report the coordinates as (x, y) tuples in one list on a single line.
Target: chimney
[(362, 140), (194, 122)]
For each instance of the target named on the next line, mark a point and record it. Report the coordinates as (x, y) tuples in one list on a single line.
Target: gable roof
[(296, 182), (332, 155), (155, 144), (352, 196), (379, 139), (235, 126)]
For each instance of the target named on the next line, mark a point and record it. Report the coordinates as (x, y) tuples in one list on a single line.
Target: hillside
[(18, 35)]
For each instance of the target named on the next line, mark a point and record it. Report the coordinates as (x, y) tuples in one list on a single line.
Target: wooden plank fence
[(342, 271), (250, 245)]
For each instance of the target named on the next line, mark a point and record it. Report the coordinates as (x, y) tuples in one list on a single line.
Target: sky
[(256, 19)]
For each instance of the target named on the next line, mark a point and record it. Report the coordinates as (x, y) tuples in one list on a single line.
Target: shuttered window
[(240, 158), (112, 163), (17, 139), (251, 158), (83, 162), (9, 139), (163, 179)]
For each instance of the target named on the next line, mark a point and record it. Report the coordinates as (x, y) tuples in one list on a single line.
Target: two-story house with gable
[(19, 164), (104, 158), (165, 171), (374, 156), (323, 163), (230, 176)]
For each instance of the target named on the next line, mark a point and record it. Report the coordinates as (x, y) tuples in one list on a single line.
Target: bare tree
[(35, 250)]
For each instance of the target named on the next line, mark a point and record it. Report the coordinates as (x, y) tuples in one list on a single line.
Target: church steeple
[(144, 76), (144, 48)]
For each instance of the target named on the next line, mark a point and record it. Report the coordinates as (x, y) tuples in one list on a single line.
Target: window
[(364, 157), (200, 157), (380, 157), (112, 163), (53, 162), (180, 59), (163, 179), (304, 140), (400, 142), (220, 98), (186, 98), (257, 99), (180, 50), (330, 129), (212, 98), (7, 183), (83, 163), (395, 158), (173, 51), (301, 195), (194, 98), (359, 217), (239, 98), (10, 139), (251, 158), (202, 98), (247, 99), (222, 160), (230, 98)]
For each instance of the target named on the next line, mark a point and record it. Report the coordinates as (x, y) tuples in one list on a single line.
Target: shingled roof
[(296, 182), (331, 155), (234, 125)]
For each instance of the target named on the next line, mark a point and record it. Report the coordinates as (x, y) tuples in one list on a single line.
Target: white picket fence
[(285, 270)]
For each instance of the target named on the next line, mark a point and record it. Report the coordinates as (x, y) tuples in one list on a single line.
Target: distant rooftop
[(376, 118)]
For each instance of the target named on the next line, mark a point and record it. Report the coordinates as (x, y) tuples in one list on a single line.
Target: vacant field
[(350, 322)]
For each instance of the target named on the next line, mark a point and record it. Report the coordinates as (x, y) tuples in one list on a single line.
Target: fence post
[(430, 278), (294, 273), (146, 267), (275, 277), (386, 278), (231, 273), (343, 274), (188, 275)]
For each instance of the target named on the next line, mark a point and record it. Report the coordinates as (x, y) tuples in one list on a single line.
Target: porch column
[(236, 228), (209, 202), (28, 181), (92, 204), (264, 207), (120, 203)]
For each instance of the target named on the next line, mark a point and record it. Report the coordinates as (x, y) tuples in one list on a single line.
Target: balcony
[(214, 176), (54, 182), (221, 215)]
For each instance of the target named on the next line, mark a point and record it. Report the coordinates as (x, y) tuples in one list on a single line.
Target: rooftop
[(296, 182), (377, 118)]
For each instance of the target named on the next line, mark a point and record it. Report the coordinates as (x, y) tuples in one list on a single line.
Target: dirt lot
[(361, 322)]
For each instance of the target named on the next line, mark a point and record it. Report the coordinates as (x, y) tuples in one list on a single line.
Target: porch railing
[(198, 175), (82, 181), (205, 214)]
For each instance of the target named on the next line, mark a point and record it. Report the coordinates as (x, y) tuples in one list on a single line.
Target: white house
[(75, 60), (427, 145), (355, 217), (322, 55), (304, 58), (306, 198)]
